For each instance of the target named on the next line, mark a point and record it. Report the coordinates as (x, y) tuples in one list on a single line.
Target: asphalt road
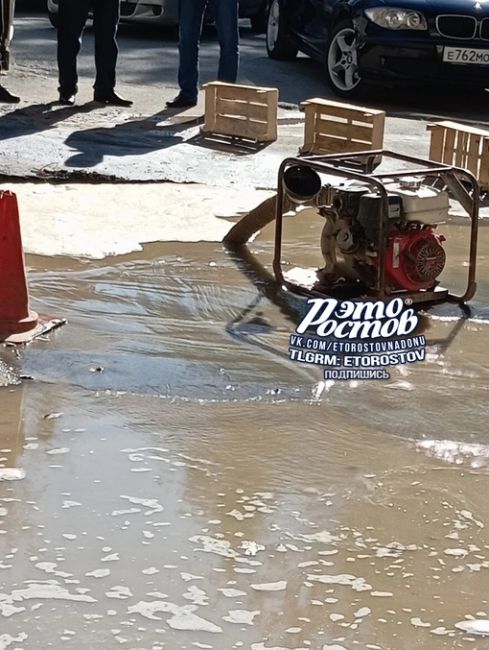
[(148, 63)]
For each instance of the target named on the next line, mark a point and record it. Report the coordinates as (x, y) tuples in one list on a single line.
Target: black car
[(361, 41)]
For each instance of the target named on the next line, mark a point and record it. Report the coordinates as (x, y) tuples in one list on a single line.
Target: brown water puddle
[(178, 483)]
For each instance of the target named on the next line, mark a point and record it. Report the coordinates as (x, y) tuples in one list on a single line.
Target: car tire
[(342, 62), (279, 43), (53, 18)]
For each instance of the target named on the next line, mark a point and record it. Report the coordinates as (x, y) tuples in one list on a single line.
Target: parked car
[(398, 41), (165, 12)]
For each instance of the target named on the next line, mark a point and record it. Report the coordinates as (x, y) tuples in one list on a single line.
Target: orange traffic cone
[(18, 324)]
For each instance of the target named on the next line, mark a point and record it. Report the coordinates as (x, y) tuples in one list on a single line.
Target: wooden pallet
[(461, 146), (334, 127), (247, 112)]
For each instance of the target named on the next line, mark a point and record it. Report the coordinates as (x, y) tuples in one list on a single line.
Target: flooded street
[(169, 479)]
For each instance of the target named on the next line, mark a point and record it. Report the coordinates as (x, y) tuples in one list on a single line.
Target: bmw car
[(378, 41), (165, 12)]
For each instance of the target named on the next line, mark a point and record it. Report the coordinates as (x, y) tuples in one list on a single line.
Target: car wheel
[(53, 18), (279, 44), (342, 62)]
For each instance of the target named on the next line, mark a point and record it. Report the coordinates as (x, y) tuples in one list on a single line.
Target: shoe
[(6, 97), (66, 100), (111, 99), (182, 101)]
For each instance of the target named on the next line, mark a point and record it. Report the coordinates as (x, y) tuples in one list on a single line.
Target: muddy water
[(170, 480)]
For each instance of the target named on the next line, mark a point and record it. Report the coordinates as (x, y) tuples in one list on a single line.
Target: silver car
[(165, 12)]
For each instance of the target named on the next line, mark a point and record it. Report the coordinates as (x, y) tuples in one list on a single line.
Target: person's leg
[(191, 17), (105, 21), (71, 21), (7, 8), (226, 16)]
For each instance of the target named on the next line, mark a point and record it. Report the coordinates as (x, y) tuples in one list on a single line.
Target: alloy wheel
[(343, 60)]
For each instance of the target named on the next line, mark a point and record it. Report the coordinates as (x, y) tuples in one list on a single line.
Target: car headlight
[(392, 18)]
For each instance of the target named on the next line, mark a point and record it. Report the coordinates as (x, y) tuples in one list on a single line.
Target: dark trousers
[(7, 8), (71, 21), (191, 17)]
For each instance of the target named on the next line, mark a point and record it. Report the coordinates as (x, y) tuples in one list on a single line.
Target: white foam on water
[(153, 504), (324, 537), (457, 453), (417, 622), (262, 646), (182, 618), (50, 567), (196, 596), (6, 640), (113, 557), (281, 585), (58, 452), (127, 511), (478, 627), (150, 571), (49, 590), (466, 514), (98, 573), (357, 584), (232, 593), (3, 512), (250, 547), (381, 594), (439, 631), (70, 504), (187, 577), (363, 611), (212, 545), (241, 616), (335, 646), (11, 474), (120, 592), (456, 552)]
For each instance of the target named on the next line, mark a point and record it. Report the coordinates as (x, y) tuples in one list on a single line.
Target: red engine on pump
[(351, 239), (415, 259)]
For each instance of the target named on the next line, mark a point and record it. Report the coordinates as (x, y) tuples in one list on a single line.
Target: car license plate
[(465, 56)]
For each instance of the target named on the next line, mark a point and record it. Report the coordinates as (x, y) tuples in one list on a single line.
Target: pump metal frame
[(337, 165)]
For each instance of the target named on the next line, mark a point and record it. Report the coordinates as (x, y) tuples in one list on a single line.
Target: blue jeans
[(191, 18)]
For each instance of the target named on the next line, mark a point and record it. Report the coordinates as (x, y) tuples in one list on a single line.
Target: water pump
[(382, 233)]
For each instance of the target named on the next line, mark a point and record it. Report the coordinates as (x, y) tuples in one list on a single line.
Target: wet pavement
[(170, 480)]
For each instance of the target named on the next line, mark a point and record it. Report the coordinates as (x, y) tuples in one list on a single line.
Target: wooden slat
[(459, 148), (327, 104), (242, 128), (223, 87), (484, 165), (461, 127), (236, 107), (377, 141), (245, 93), (343, 129), (474, 154), (210, 113), (272, 112), (328, 144), (309, 128), (437, 142), (449, 147)]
